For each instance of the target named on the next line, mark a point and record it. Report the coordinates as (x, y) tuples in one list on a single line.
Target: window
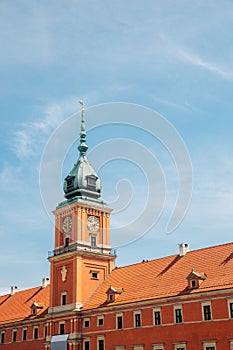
[(209, 345), (63, 298), (100, 343), (137, 319), (100, 320), (95, 275), (158, 347), (67, 241), (62, 328), (2, 337), (206, 308), (119, 321), (36, 333), (24, 335), (178, 315), (86, 322), (180, 346), (193, 283), (230, 307), (93, 241), (46, 330), (14, 335), (157, 317), (138, 347), (86, 345)]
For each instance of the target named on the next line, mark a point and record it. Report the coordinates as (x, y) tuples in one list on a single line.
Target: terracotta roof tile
[(166, 277), (18, 306)]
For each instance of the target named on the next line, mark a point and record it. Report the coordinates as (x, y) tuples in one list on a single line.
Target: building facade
[(179, 302)]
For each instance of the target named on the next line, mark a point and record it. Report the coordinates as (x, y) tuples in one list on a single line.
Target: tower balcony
[(82, 248)]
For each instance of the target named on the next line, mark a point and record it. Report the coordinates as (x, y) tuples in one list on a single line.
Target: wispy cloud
[(196, 60)]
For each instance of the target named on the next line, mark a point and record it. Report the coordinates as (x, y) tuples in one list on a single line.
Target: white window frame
[(157, 309), (229, 301), (94, 272), (60, 323), (3, 332), (206, 303), (85, 341), (63, 294), (231, 344), (178, 307), (100, 317), (95, 238), (119, 347), (158, 346), (86, 319), (14, 330), (138, 312), (210, 343), (101, 337), (138, 347), (35, 327), (24, 329), (180, 345), (119, 315)]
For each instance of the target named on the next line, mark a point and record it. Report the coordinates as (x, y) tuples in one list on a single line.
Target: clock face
[(93, 223), (67, 224)]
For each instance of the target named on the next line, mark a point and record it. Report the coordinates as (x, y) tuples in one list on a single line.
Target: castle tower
[(82, 256)]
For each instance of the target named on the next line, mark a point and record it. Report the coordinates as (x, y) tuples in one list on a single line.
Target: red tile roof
[(18, 306), (166, 277)]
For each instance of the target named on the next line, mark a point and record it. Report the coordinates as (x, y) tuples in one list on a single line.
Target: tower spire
[(82, 145)]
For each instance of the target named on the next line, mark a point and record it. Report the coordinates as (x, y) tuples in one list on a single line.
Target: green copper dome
[(82, 181)]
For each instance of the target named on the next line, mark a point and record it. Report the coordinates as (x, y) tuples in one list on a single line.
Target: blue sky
[(172, 57)]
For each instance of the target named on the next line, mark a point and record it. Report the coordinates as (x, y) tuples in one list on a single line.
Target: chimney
[(183, 248), (45, 282), (14, 289)]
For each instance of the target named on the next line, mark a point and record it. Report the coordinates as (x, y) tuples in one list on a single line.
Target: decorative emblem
[(93, 223), (63, 273), (67, 224)]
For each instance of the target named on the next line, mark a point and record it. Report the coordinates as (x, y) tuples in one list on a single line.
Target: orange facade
[(179, 302)]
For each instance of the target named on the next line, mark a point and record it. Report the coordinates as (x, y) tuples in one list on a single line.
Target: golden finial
[(83, 110)]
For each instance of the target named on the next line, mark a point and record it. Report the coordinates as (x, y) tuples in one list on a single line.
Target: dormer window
[(195, 279), (112, 294), (35, 307)]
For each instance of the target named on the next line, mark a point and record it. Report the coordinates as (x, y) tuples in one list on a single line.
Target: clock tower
[(82, 255)]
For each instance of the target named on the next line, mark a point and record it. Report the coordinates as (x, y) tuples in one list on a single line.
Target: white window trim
[(159, 346), (14, 330), (206, 303), (137, 312), (94, 271), (120, 314), (35, 327), (60, 323), (2, 332), (231, 344), (138, 347), (100, 317), (229, 301), (119, 347), (24, 329), (157, 309), (180, 345), (207, 344), (177, 307), (101, 337), (86, 319), (62, 294), (85, 340)]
